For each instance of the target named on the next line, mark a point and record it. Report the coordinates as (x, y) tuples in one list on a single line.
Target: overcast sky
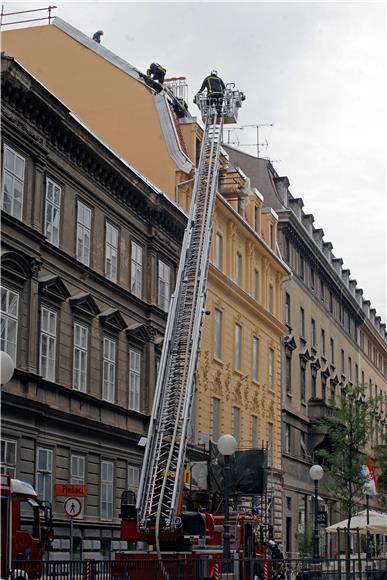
[(316, 70)]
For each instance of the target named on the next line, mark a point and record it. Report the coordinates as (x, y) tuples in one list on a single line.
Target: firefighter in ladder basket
[(215, 90)]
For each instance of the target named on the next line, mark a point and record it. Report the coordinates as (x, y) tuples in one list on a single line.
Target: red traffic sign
[(72, 507), (73, 489)]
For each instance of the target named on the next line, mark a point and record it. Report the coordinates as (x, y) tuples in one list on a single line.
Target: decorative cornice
[(113, 320), (53, 288), (140, 332), (85, 304)]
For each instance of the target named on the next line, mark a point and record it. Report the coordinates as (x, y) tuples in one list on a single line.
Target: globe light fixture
[(316, 473), (227, 445), (7, 367)]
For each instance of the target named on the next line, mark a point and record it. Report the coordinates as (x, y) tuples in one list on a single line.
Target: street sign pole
[(71, 538)]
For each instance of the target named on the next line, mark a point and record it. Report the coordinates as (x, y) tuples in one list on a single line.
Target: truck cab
[(23, 537)]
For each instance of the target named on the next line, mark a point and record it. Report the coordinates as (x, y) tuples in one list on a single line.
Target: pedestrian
[(215, 90), (156, 72)]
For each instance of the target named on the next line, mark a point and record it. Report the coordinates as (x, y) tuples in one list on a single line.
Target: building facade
[(89, 254), (334, 339)]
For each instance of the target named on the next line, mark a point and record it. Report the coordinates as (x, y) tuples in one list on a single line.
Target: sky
[(315, 70)]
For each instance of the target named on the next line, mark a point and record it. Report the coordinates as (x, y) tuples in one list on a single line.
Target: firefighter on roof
[(156, 72)]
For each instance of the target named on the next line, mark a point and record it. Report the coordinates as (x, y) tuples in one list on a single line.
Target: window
[(342, 361), (237, 341), (52, 215), (9, 321), (44, 473), (133, 478), (323, 387), (111, 252), (332, 351), (83, 233), (106, 490), (288, 373), (357, 374), (271, 299), (256, 285), (269, 444), (272, 236), (350, 368), (134, 380), (255, 365), (13, 183), (256, 218), (80, 357), (287, 308), (302, 322), (322, 290), (238, 269), (330, 302), (271, 368), (218, 334), (109, 370), (8, 457), (313, 326), (287, 250), (302, 382), (314, 383), (215, 419), (254, 431), (77, 469), (302, 267), (47, 344), (323, 344), (312, 279), (164, 285), (362, 378), (287, 439), (235, 422), (136, 270), (219, 251)]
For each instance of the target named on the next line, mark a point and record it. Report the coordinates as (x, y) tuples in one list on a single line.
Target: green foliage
[(381, 471), (305, 541)]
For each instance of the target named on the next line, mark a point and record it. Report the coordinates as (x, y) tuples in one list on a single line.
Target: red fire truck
[(23, 537), (156, 520)]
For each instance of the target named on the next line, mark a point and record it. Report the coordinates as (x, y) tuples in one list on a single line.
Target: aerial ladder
[(160, 489)]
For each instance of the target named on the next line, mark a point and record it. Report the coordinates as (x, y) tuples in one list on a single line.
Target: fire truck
[(156, 520), (23, 535)]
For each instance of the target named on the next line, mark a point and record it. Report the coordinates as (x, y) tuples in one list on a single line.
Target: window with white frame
[(78, 472), (8, 457), (271, 368), (83, 233), (164, 285), (215, 419), (238, 269), (134, 380), (47, 344), (287, 438), (80, 357), (44, 473), (237, 347), (219, 251), (107, 490), (255, 358), (52, 213), (133, 478), (136, 261), (254, 431), (9, 321), (256, 284), (235, 422), (13, 183), (109, 370), (111, 252), (218, 334)]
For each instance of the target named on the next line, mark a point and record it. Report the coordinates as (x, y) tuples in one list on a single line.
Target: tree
[(381, 471), (348, 435)]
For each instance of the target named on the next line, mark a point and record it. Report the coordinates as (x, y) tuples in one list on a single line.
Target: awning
[(377, 523)]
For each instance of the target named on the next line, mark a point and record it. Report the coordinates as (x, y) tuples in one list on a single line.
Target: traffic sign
[(72, 507), (70, 489)]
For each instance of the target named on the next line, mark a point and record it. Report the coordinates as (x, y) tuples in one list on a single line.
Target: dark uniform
[(156, 72), (215, 90)]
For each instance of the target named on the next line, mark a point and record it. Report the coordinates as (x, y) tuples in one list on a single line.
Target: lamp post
[(7, 367), (316, 472), (227, 445)]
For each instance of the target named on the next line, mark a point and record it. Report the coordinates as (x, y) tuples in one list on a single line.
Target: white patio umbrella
[(377, 523)]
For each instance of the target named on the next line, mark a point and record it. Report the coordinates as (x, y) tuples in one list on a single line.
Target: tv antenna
[(257, 127)]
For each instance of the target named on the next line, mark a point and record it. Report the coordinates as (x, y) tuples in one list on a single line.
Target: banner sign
[(367, 473)]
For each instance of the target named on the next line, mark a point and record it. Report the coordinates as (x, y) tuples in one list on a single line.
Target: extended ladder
[(159, 493)]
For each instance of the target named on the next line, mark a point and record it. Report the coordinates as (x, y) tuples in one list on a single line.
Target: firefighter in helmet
[(215, 90), (156, 72)]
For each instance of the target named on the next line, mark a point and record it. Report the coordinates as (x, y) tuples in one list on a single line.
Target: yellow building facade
[(239, 375)]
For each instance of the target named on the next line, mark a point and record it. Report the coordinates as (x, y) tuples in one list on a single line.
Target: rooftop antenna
[(256, 126), (49, 9)]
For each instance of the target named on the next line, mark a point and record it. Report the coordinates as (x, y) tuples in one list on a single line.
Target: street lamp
[(227, 445), (316, 472), (7, 366)]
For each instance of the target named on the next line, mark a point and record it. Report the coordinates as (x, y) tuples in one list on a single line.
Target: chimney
[(318, 234), (296, 204), (327, 247), (352, 287), (366, 307), (359, 296), (345, 276), (372, 314), (337, 264)]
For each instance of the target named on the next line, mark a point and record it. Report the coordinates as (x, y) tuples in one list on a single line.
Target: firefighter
[(156, 72), (215, 90), (97, 36)]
